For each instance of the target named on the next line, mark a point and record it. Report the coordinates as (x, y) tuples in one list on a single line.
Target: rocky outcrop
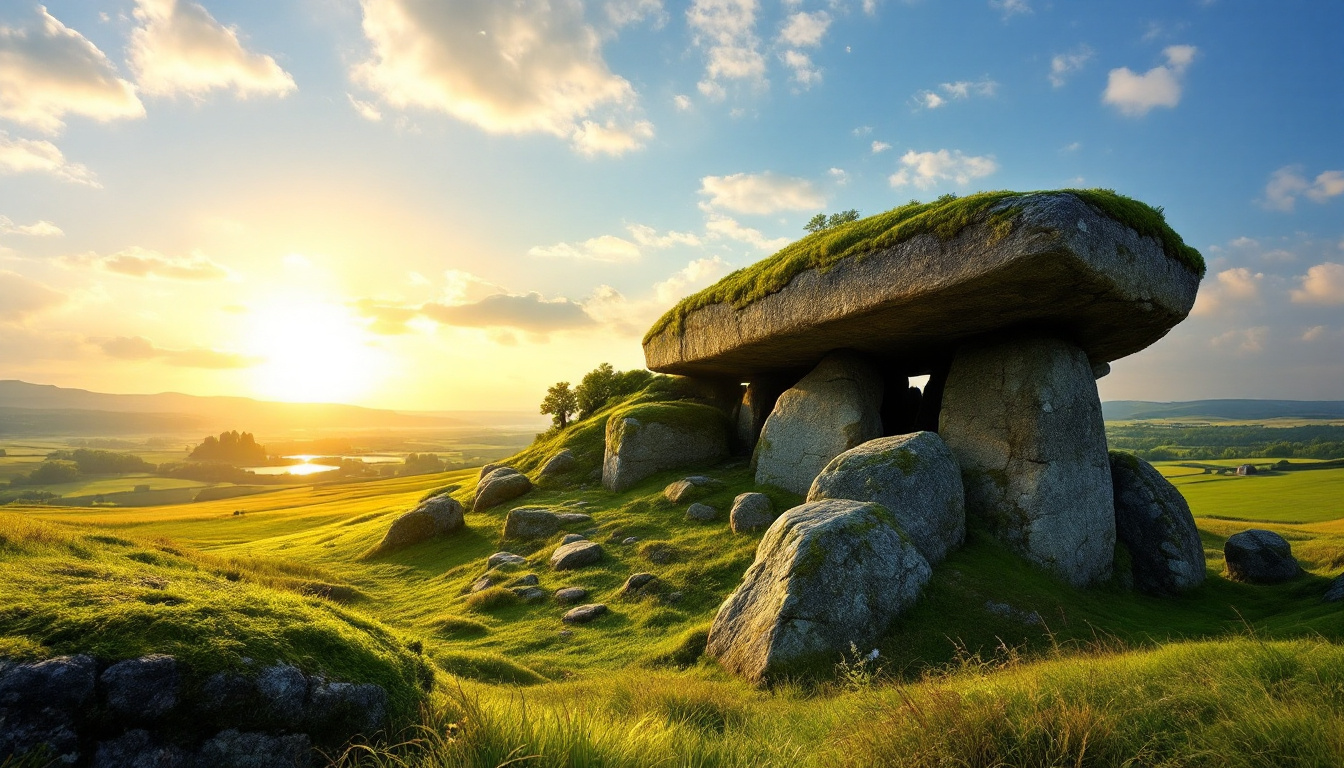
[(914, 477), (501, 485), (437, 516), (1260, 557), (832, 409), (141, 712), (531, 523), (1023, 419), (1153, 521), (751, 512), (1038, 260), (648, 439), (826, 574), (576, 554)]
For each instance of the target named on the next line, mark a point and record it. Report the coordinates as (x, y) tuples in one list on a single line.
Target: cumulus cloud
[(140, 348), (726, 30), (612, 309), (804, 73), (503, 67), (146, 263), (1323, 284), (1134, 94), (648, 236), (35, 156), (803, 30), (719, 225), (682, 102), (180, 49), (39, 229), (527, 312), (22, 298), (49, 71), (1010, 8), (1230, 289), (1314, 332), (880, 147), (960, 90), (606, 248), (622, 13), (1287, 184), (1063, 65), (761, 193), (926, 169)]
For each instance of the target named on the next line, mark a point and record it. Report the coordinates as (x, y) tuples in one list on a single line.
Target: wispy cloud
[(719, 225), (606, 248), (1011, 8), (1063, 65), (37, 156), (140, 348), (1287, 184), (22, 298), (146, 263), (726, 31), (38, 229)]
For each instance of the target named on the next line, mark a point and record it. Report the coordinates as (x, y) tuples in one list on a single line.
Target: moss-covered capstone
[(1103, 270)]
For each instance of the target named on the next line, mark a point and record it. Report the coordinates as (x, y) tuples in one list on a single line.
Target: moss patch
[(944, 218)]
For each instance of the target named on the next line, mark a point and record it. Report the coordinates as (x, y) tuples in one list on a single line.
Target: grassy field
[(1230, 674)]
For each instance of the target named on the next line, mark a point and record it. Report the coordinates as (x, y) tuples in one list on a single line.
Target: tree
[(822, 222), (560, 402), (595, 390), (816, 223)]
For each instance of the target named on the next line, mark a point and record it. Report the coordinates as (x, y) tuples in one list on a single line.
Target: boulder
[(285, 689), (584, 613), (569, 518), (636, 584), (570, 595), (570, 538), (437, 516), (530, 594), (701, 513), (501, 485), (1335, 592), (914, 477), (234, 749), (751, 512), (485, 582), (1023, 419), (486, 470), (1052, 260), (575, 555), (646, 439), (530, 580), (563, 461), (346, 708), (832, 409), (65, 682), (142, 689), (137, 748), (827, 574), (504, 559), (531, 523), (688, 488), (1153, 521), (1259, 557)]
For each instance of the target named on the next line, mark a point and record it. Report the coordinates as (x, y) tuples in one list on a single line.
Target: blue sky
[(453, 204)]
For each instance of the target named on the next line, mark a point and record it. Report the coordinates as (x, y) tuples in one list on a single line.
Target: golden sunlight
[(315, 351)]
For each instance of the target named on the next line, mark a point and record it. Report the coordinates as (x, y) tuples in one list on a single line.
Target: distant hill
[(1127, 410), (43, 409)]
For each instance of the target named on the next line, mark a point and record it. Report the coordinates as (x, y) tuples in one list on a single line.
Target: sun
[(314, 351)]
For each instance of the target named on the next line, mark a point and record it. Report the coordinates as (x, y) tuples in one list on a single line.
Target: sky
[(443, 204)]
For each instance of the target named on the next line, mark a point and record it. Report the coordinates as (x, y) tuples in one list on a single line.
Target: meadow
[(998, 664)]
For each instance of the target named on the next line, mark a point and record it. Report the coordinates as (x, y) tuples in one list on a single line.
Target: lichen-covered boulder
[(1022, 416), (1260, 557), (914, 477), (531, 523), (563, 461), (832, 409), (647, 439), (701, 513), (1153, 521), (437, 516), (576, 554), (827, 574), (501, 485), (689, 488), (751, 512)]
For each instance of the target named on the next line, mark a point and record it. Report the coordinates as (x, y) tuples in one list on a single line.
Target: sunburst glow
[(314, 351)]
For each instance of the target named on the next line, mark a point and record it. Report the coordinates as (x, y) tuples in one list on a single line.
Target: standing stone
[(1023, 418), (827, 574), (757, 401), (832, 409), (914, 477), (500, 486), (751, 512), (1260, 557), (650, 438), (1153, 521), (530, 523), (437, 516)]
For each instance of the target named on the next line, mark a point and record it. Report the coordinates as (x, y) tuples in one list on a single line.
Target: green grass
[(1274, 497), (944, 218)]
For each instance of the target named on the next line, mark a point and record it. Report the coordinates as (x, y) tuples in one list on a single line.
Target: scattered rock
[(701, 513), (530, 580), (504, 559), (1335, 593), (628, 540), (530, 523), (569, 595), (562, 462), (486, 470), (485, 582), (142, 689), (688, 488), (827, 574), (570, 538), (233, 749), (832, 409), (569, 518), (637, 584), (751, 512), (650, 438), (1153, 521), (576, 555), (501, 485), (914, 477), (1260, 557), (584, 613), (1023, 419), (530, 594), (138, 749), (436, 516), (660, 552)]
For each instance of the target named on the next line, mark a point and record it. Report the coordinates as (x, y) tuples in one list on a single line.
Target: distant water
[(308, 468)]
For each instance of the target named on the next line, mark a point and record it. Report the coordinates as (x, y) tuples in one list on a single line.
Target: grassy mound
[(945, 218)]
